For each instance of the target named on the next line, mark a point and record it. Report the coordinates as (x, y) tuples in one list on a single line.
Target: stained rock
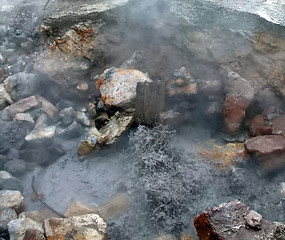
[(269, 150), (8, 182), (21, 106), (231, 221), (24, 229), (85, 227), (12, 199), (6, 215), (117, 86), (239, 95), (259, 127)]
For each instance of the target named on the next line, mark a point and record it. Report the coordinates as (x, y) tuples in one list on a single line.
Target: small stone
[(46, 133), (74, 130), (6, 215), (82, 118), (67, 115), (24, 117), (15, 166), (8, 182), (41, 122), (5, 97), (253, 219), (47, 107), (12, 199), (82, 87), (85, 227), (92, 109), (24, 229), (21, 106)]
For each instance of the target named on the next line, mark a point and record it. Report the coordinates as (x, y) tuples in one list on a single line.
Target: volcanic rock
[(269, 150), (21, 106), (8, 182), (24, 229), (117, 86), (12, 199), (239, 95), (6, 215), (234, 220), (258, 126), (85, 227)]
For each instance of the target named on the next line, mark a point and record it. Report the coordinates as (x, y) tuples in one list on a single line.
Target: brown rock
[(47, 107), (239, 95), (278, 125), (21, 106), (12, 199), (228, 221), (85, 227), (118, 86), (258, 127)]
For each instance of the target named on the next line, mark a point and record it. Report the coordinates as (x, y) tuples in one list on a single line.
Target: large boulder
[(85, 227), (118, 86), (268, 149), (239, 95), (234, 220)]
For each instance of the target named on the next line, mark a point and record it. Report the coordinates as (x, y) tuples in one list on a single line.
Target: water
[(168, 184)]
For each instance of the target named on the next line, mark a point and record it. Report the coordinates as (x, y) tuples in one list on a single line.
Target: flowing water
[(157, 168)]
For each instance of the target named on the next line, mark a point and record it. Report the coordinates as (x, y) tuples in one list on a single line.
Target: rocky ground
[(68, 97)]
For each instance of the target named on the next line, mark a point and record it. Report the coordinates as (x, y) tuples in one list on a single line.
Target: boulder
[(268, 149), (12, 199), (85, 227), (234, 220), (22, 85), (21, 106), (6, 215), (259, 127), (117, 86), (8, 182), (24, 229), (239, 95)]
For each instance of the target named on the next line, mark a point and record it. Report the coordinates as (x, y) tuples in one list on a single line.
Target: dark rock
[(239, 95), (6, 215), (12, 199), (74, 130), (234, 220), (269, 150), (258, 126), (15, 166), (67, 115), (8, 182), (22, 85)]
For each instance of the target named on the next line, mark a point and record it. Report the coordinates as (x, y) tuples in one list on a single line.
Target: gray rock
[(12, 199), (15, 166), (253, 219), (6, 215), (25, 228), (24, 117), (8, 182), (72, 131), (47, 106), (67, 115), (82, 118), (22, 85), (5, 97)]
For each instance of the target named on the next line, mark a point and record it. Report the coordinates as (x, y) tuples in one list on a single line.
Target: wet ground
[(168, 184)]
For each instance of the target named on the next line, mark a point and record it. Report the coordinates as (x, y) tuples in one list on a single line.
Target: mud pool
[(157, 168)]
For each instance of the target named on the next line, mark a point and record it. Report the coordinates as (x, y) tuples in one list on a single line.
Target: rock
[(15, 166), (38, 216), (41, 122), (230, 221), (269, 150), (12, 199), (266, 98), (21, 106), (118, 86), (67, 115), (24, 229), (22, 85), (24, 117), (92, 109), (5, 97), (6, 215), (258, 126), (239, 95), (90, 226), (82, 118), (77, 209), (278, 125), (74, 130), (8, 182), (46, 133), (165, 237), (47, 107)]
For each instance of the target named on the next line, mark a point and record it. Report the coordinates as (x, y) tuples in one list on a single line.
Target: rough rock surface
[(85, 227), (12, 199), (239, 94), (269, 150), (24, 229), (8, 182), (6, 215), (229, 221), (118, 86)]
